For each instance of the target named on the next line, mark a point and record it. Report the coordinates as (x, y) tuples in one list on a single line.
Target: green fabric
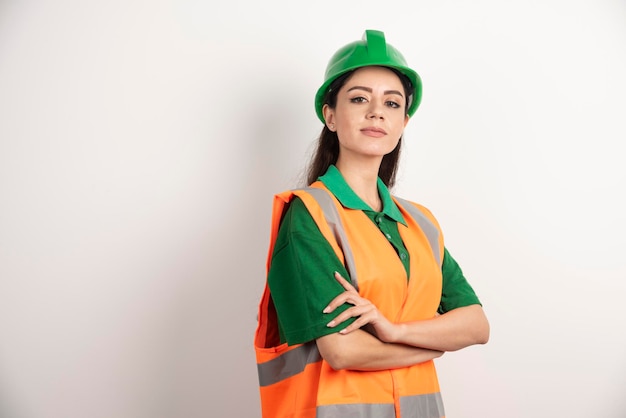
[(301, 276), (456, 291), (337, 185)]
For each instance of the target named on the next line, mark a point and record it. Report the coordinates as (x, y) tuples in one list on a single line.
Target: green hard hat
[(372, 49)]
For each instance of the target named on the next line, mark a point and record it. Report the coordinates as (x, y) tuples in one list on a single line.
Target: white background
[(141, 143)]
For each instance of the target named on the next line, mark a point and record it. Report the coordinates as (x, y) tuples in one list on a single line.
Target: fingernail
[(343, 331), (326, 309), (330, 324)]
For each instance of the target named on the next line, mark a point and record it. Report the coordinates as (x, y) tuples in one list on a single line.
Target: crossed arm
[(386, 345)]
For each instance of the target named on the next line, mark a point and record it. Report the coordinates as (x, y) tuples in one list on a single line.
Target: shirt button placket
[(382, 227)]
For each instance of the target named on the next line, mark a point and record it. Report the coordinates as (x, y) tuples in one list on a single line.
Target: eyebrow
[(369, 90)]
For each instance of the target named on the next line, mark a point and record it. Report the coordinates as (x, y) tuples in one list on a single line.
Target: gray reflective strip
[(422, 406), (431, 231), (416, 406), (334, 221), (357, 410), (288, 364)]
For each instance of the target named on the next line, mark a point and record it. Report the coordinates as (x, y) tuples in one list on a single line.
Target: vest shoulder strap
[(430, 229), (333, 219)]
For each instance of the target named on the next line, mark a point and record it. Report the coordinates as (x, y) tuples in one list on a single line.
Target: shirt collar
[(334, 181)]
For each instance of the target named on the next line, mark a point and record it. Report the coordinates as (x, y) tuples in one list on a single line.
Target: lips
[(374, 131)]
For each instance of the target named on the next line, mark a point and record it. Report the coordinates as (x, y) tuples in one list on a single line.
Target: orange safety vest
[(295, 381)]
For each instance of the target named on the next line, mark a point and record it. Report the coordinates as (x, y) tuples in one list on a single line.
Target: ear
[(406, 120), (329, 117)]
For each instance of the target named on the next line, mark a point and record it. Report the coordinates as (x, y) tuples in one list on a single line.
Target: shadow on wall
[(218, 317), (7, 407)]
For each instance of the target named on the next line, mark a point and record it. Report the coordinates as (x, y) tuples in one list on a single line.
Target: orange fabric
[(382, 280)]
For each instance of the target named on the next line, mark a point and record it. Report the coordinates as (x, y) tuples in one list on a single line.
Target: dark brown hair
[(327, 149)]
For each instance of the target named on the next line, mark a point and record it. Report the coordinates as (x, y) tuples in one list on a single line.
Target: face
[(370, 114)]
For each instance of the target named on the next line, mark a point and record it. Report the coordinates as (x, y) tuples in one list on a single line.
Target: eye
[(392, 104), (358, 99)]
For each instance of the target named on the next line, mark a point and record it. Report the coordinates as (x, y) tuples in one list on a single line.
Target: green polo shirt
[(301, 276)]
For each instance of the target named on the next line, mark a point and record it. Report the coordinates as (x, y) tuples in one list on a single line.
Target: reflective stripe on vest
[(334, 221), (288, 364), (422, 406), (289, 376), (431, 231)]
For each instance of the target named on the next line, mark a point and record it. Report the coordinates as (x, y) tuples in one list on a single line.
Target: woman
[(361, 292)]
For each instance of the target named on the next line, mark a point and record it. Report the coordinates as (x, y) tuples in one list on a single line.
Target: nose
[(375, 112)]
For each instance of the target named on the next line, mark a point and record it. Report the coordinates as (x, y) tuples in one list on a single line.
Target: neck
[(363, 180)]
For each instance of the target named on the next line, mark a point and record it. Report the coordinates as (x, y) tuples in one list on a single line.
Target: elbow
[(483, 338), (482, 334), (334, 354), (486, 335), (474, 339), (336, 359), (337, 364), (481, 329), (478, 334)]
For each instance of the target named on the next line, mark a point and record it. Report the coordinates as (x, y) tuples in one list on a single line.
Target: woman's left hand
[(365, 311)]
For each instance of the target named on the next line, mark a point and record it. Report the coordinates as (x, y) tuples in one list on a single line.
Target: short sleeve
[(456, 292), (301, 278)]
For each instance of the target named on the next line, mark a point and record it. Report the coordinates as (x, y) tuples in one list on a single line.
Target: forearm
[(451, 331), (360, 350)]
